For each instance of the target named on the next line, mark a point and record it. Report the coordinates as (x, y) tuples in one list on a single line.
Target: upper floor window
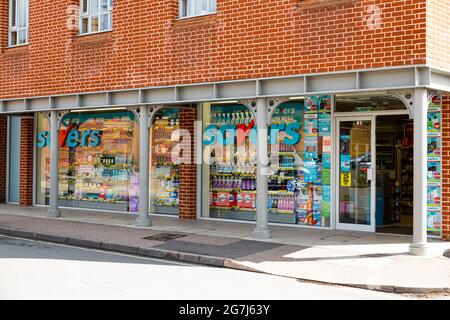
[(95, 16), (190, 8), (18, 22)]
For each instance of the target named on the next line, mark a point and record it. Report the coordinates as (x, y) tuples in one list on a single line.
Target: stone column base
[(419, 249), (262, 234), (51, 213), (143, 222)]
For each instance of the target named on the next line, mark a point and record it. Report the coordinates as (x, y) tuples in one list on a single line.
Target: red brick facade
[(3, 156), (245, 39), (26, 161), (188, 172), (446, 168), (149, 46)]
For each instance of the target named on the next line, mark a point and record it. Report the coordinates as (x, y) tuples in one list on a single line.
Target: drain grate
[(164, 237)]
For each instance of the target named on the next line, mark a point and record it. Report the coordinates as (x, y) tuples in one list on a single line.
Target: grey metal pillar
[(144, 219), (419, 246), (262, 230), (53, 211)]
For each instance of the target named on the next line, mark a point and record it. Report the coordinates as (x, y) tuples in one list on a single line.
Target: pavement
[(40, 270), (364, 260)]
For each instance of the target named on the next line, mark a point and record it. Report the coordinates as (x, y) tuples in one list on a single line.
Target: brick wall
[(3, 155), (26, 161), (446, 168), (438, 33), (188, 172), (245, 39)]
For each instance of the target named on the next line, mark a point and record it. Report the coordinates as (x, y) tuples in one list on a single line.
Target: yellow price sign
[(346, 179)]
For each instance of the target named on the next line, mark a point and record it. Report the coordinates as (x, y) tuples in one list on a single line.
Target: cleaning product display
[(299, 173), (233, 175), (165, 171)]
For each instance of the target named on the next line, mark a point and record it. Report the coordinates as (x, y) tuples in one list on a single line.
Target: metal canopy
[(369, 80)]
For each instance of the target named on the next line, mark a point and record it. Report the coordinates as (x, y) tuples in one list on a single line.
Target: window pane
[(94, 7), (101, 172), (84, 25), (84, 6), (212, 6), (94, 24), (104, 22), (22, 13), (22, 37), (204, 6), (13, 13), (104, 5), (13, 40)]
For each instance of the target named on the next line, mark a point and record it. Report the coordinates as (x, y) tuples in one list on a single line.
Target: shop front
[(98, 161), (334, 162), (299, 173), (337, 162)]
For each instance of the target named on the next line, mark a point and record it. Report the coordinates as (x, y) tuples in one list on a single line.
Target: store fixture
[(165, 170), (299, 181), (233, 170)]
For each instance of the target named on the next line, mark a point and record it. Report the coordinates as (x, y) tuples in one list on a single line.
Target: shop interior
[(394, 160), (394, 192)]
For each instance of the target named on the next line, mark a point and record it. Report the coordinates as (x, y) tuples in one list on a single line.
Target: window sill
[(100, 36), (197, 16), (194, 21), (93, 33), (17, 46), (17, 49)]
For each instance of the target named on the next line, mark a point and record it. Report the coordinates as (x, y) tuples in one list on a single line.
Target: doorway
[(374, 177), (355, 178)]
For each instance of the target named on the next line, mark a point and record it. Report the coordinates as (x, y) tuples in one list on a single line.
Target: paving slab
[(372, 261)]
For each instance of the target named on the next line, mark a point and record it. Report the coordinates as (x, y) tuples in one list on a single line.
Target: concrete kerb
[(447, 254), (200, 260)]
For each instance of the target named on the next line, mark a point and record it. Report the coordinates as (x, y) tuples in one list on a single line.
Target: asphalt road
[(38, 270)]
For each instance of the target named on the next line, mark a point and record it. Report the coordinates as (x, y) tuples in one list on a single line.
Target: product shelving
[(165, 171)]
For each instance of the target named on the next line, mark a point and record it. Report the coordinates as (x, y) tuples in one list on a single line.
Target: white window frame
[(88, 15), (15, 28), (183, 9)]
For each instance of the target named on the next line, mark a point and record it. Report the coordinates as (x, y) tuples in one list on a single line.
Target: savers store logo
[(72, 138)]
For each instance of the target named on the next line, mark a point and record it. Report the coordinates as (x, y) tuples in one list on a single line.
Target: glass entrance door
[(356, 174)]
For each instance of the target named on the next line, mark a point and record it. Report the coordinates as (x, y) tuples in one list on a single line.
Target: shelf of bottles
[(165, 170), (233, 175), (103, 174)]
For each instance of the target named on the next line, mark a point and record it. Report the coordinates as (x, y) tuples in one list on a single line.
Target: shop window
[(300, 162), (165, 171), (191, 8), (229, 169), (98, 158), (95, 16), (18, 22), (300, 170)]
